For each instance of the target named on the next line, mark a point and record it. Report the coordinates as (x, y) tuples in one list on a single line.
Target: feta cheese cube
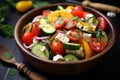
[(62, 37), (58, 57)]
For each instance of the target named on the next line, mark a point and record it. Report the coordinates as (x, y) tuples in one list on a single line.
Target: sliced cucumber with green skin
[(48, 29), (93, 20), (43, 21), (70, 58), (78, 53), (104, 37), (40, 51), (71, 46)]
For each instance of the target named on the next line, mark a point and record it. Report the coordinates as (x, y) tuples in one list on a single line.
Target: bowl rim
[(17, 39)]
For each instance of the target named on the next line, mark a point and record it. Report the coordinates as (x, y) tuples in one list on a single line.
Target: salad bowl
[(61, 67)]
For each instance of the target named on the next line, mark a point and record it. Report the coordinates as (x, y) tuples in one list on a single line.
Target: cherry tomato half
[(46, 12), (75, 35), (78, 7), (57, 48), (78, 11), (59, 23), (102, 23), (27, 38), (97, 44), (35, 28), (70, 24)]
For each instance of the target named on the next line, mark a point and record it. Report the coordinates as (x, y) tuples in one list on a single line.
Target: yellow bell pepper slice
[(88, 51), (56, 14), (69, 8), (84, 24)]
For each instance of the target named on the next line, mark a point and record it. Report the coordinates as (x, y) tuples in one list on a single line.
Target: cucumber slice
[(71, 46), (43, 21), (78, 53), (104, 37), (93, 20), (70, 58), (40, 51), (48, 29)]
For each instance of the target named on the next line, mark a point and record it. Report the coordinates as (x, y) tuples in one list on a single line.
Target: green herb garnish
[(8, 55), (12, 72), (6, 30)]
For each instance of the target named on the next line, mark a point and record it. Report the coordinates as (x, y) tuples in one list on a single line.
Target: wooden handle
[(31, 74), (101, 6)]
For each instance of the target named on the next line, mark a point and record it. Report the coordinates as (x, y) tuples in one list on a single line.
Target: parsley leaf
[(12, 72)]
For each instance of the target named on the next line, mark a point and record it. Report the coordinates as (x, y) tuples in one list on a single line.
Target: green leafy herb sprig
[(12, 72), (5, 29)]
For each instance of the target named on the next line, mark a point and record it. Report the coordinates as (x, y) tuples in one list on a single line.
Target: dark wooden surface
[(108, 69)]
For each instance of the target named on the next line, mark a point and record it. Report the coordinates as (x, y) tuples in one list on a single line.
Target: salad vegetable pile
[(65, 34)]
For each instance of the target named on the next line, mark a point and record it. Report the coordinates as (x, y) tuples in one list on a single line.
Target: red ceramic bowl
[(61, 68)]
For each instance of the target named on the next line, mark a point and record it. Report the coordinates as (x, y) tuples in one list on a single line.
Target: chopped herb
[(12, 72), (99, 33), (8, 55)]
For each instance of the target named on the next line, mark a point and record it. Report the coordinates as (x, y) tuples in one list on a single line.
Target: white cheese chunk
[(79, 26), (62, 37), (87, 16), (42, 48), (58, 57), (86, 35)]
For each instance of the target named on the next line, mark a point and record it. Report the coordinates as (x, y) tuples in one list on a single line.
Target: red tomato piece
[(59, 23), (80, 14), (78, 7), (97, 44), (27, 38), (102, 23), (46, 12), (70, 24), (36, 29), (78, 11), (57, 48), (75, 35)]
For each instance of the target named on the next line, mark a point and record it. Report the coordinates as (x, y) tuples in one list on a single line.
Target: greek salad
[(65, 34)]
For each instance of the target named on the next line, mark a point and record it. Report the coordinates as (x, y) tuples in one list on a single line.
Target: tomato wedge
[(59, 23), (102, 23), (46, 12), (78, 7), (57, 48), (70, 24), (74, 35), (78, 11), (35, 28), (27, 38), (30, 32), (97, 44)]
